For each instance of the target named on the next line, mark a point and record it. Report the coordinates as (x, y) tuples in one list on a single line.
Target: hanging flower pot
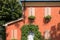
[(47, 18), (31, 17)]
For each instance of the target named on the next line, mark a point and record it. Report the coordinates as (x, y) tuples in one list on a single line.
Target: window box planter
[(31, 17), (47, 18)]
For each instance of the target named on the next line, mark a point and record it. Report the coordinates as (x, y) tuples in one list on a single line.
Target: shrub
[(30, 27)]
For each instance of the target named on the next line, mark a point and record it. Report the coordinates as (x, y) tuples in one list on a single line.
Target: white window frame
[(31, 11), (47, 11), (30, 36), (14, 34)]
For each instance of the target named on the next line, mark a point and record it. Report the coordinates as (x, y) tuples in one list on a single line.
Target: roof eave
[(13, 22)]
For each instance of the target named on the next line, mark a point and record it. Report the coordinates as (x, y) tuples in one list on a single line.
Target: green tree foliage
[(2, 33), (33, 28), (9, 10)]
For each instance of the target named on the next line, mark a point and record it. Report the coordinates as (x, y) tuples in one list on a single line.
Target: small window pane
[(31, 11), (31, 36), (14, 34), (47, 11), (47, 34)]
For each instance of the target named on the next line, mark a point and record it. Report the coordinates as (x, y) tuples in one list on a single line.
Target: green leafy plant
[(3, 32), (31, 17), (30, 27), (48, 17), (9, 10)]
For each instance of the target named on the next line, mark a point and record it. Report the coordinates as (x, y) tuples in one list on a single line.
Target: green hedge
[(30, 27)]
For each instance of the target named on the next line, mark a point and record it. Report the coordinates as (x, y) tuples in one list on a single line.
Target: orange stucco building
[(41, 9)]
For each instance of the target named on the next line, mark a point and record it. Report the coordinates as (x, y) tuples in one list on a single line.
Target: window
[(31, 11), (47, 11), (14, 34), (47, 34), (31, 36)]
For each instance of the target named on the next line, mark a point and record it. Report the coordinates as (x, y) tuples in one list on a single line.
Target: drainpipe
[(23, 8)]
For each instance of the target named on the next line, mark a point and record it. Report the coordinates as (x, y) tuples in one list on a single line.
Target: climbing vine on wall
[(30, 27)]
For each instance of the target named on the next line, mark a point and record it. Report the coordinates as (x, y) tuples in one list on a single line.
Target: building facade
[(40, 9)]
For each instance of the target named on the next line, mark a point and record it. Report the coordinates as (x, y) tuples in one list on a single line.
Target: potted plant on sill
[(47, 18), (31, 18)]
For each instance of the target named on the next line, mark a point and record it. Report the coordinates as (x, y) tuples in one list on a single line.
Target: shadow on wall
[(55, 32), (17, 24)]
